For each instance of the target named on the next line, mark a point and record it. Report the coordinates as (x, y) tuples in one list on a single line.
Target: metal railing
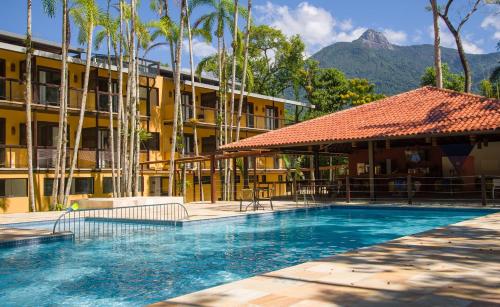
[(112, 221)]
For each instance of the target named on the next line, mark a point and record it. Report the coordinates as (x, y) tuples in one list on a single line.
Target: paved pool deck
[(457, 265)]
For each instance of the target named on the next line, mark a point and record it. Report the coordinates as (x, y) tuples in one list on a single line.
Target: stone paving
[(457, 265)]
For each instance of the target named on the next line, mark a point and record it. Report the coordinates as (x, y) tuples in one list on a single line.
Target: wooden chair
[(246, 195)]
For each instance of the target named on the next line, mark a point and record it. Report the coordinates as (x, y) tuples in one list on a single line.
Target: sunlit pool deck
[(456, 265)]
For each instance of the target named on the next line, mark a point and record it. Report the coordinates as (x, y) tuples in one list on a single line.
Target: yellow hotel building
[(93, 175)]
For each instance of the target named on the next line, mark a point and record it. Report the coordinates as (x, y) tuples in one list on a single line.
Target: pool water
[(141, 267)]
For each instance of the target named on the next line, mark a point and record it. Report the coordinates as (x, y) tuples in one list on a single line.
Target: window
[(250, 115), (13, 187), (107, 184), (80, 185), (187, 106), (2, 81), (272, 118), (47, 133), (188, 144), (48, 88), (209, 100), (158, 185), (208, 144), (152, 143), (102, 84), (153, 95)]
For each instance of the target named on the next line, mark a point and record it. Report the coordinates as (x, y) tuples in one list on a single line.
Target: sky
[(319, 23)]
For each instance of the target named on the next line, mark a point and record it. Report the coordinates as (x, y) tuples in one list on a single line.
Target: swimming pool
[(143, 267)]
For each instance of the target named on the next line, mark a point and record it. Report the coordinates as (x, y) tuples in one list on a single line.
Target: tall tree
[(437, 43), (177, 96), (193, 98), (455, 31), (28, 94), (85, 14), (109, 33), (244, 70)]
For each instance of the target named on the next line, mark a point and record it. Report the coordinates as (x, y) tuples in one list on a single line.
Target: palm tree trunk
[(229, 179), (233, 67), (83, 104), (137, 128), (193, 98), (177, 98), (120, 107), (28, 95), (133, 102), (62, 94), (245, 67), (437, 47), (64, 106), (110, 110)]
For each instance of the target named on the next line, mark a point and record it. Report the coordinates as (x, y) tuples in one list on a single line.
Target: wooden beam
[(213, 191), (371, 170)]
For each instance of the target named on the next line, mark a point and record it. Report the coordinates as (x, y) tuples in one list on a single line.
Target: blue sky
[(319, 22)]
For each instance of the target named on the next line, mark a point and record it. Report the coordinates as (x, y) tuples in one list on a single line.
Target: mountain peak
[(374, 39)]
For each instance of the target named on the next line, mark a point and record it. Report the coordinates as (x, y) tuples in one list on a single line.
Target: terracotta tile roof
[(424, 111)]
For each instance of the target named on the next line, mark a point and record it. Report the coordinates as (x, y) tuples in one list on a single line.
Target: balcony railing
[(16, 156), (48, 95), (208, 115)]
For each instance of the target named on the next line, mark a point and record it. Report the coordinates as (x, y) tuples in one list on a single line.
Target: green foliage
[(490, 89), (86, 15), (398, 69), (293, 166), (330, 91), (451, 80)]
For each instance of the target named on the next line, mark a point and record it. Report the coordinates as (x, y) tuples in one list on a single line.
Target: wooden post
[(175, 178), (371, 170), (234, 183), (347, 189), (483, 190), (255, 179), (194, 185), (409, 189), (213, 191)]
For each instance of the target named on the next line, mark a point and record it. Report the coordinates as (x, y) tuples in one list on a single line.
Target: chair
[(246, 195), (495, 186)]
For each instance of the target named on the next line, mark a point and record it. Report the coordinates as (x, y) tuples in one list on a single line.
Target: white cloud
[(447, 40), (316, 26), (492, 21), (313, 24), (201, 49), (346, 25), (349, 36), (395, 37)]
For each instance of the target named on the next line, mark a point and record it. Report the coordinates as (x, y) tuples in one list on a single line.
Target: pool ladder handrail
[(183, 216)]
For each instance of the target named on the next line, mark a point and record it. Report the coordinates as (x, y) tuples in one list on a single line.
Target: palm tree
[(220, 16), (109, 32), (86, 15), (177, 96), (193, 98), (28, 95), (244, 71)]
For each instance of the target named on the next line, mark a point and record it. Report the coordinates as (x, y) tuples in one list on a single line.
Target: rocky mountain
[(394, 68)]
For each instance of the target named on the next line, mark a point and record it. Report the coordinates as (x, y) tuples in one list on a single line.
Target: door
[(3, 87), (250, 115)]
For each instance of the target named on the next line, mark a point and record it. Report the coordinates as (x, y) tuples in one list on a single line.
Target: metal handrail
[(71, 220)]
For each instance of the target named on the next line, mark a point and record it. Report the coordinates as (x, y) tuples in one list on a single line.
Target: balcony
[(16, 156), (47, 95), (207, 116)]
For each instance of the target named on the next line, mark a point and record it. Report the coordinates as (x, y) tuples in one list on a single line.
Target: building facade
[(93, 173)]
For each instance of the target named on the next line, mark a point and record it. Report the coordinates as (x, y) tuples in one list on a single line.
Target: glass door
[(48, 89), (250, 115), (3, 87)]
